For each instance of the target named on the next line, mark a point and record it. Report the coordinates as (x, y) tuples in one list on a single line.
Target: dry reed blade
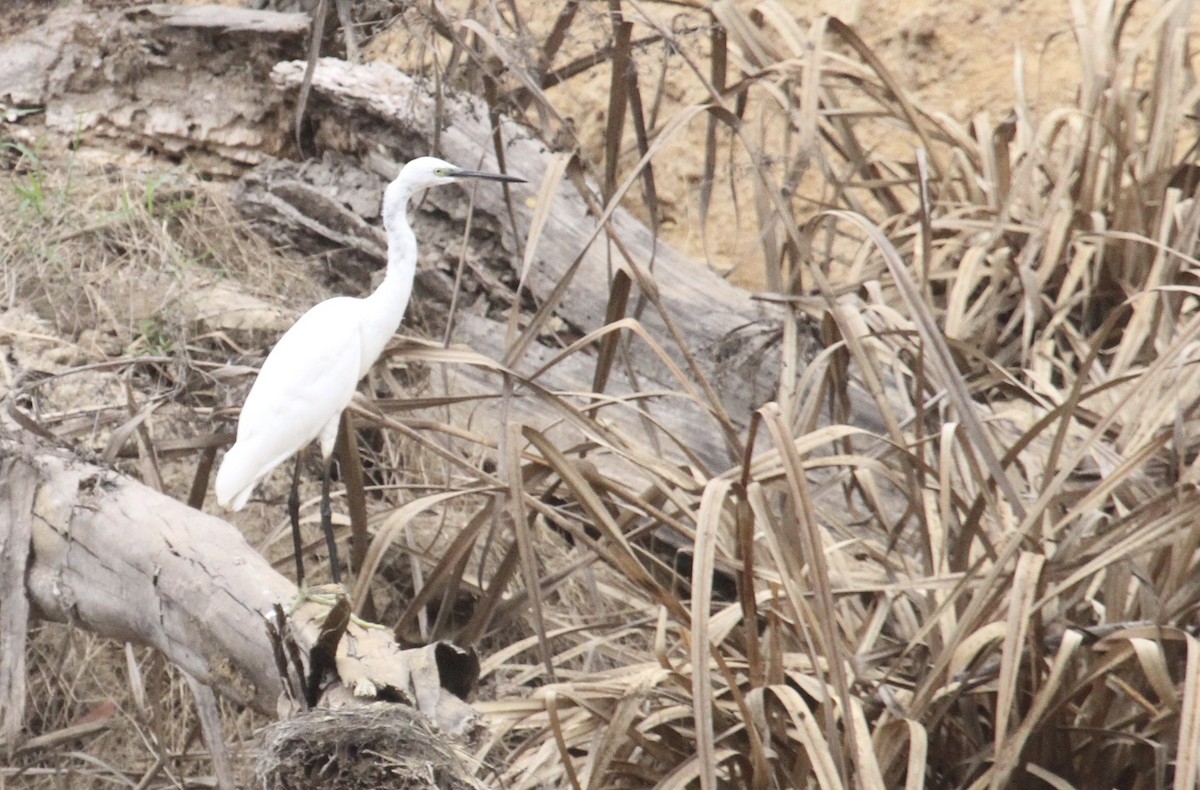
[(718, 71), (614, 311), (1187, 767), (356, 500), (558, 33), (387, 534), (511, 469), (618, 99), (316, 32), (551, 179), (200, 480), (623, 556), (812, 548), (1017, 627), (708, 522), (556, 727), (642, 138), (547, 189), (867, 770)]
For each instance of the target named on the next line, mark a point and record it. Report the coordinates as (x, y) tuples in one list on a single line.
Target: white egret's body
[(311, 374)]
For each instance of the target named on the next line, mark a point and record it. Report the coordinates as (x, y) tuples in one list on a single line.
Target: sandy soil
[(960, 58), (956, 58)]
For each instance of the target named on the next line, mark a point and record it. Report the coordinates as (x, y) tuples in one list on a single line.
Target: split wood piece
[(118, 559), (185, 81)]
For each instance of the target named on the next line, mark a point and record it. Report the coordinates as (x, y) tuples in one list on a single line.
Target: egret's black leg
[(327, 524), (293, 506)]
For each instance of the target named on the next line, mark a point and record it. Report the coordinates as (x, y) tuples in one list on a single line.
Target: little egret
[(311, 374)]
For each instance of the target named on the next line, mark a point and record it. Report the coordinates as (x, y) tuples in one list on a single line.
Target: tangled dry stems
[(996, 588)]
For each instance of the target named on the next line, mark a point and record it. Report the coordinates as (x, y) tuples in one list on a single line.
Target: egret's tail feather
[(244, 465), (236, 478)]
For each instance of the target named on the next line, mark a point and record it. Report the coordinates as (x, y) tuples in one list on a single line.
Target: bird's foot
[(328, 596), (361, 623), (306, 594)]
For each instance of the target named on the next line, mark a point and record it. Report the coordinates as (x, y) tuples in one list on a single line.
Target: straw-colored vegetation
[(997, 589)]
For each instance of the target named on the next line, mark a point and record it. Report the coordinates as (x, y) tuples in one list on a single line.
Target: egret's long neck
[(396, 287), (384, 308)]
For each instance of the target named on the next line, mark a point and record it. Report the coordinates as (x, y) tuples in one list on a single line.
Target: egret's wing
[(306, 381)]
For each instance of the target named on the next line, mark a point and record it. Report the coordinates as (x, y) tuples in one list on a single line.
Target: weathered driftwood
[(360, 110), (159, 77), (376, 105), (116, 558)]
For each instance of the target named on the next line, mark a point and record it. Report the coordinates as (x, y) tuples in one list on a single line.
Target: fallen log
[(716, 333), (85, 545)]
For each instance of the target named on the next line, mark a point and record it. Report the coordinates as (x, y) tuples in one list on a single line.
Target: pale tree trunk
[(88, 546)]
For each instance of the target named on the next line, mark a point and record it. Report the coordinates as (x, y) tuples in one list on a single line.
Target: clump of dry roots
[(380, 745)]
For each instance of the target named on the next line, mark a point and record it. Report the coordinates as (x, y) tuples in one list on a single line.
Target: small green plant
[(154, 339), (32, 188), (169, 202)]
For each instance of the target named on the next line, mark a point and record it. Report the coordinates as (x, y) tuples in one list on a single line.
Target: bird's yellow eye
[(441, 172)]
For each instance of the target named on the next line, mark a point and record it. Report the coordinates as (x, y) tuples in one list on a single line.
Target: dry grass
[(108, 343), (997, 591), (998, 588)]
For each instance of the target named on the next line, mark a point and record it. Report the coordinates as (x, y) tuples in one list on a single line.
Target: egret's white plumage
[(311, 374)]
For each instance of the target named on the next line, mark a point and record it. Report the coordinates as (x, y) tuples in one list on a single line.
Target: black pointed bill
[(460, 173)]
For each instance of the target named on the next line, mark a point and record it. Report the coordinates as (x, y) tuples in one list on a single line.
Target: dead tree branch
[(114, 557)]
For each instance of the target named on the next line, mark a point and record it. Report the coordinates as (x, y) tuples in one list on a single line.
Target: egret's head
[(429, 171), (425, 172)]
